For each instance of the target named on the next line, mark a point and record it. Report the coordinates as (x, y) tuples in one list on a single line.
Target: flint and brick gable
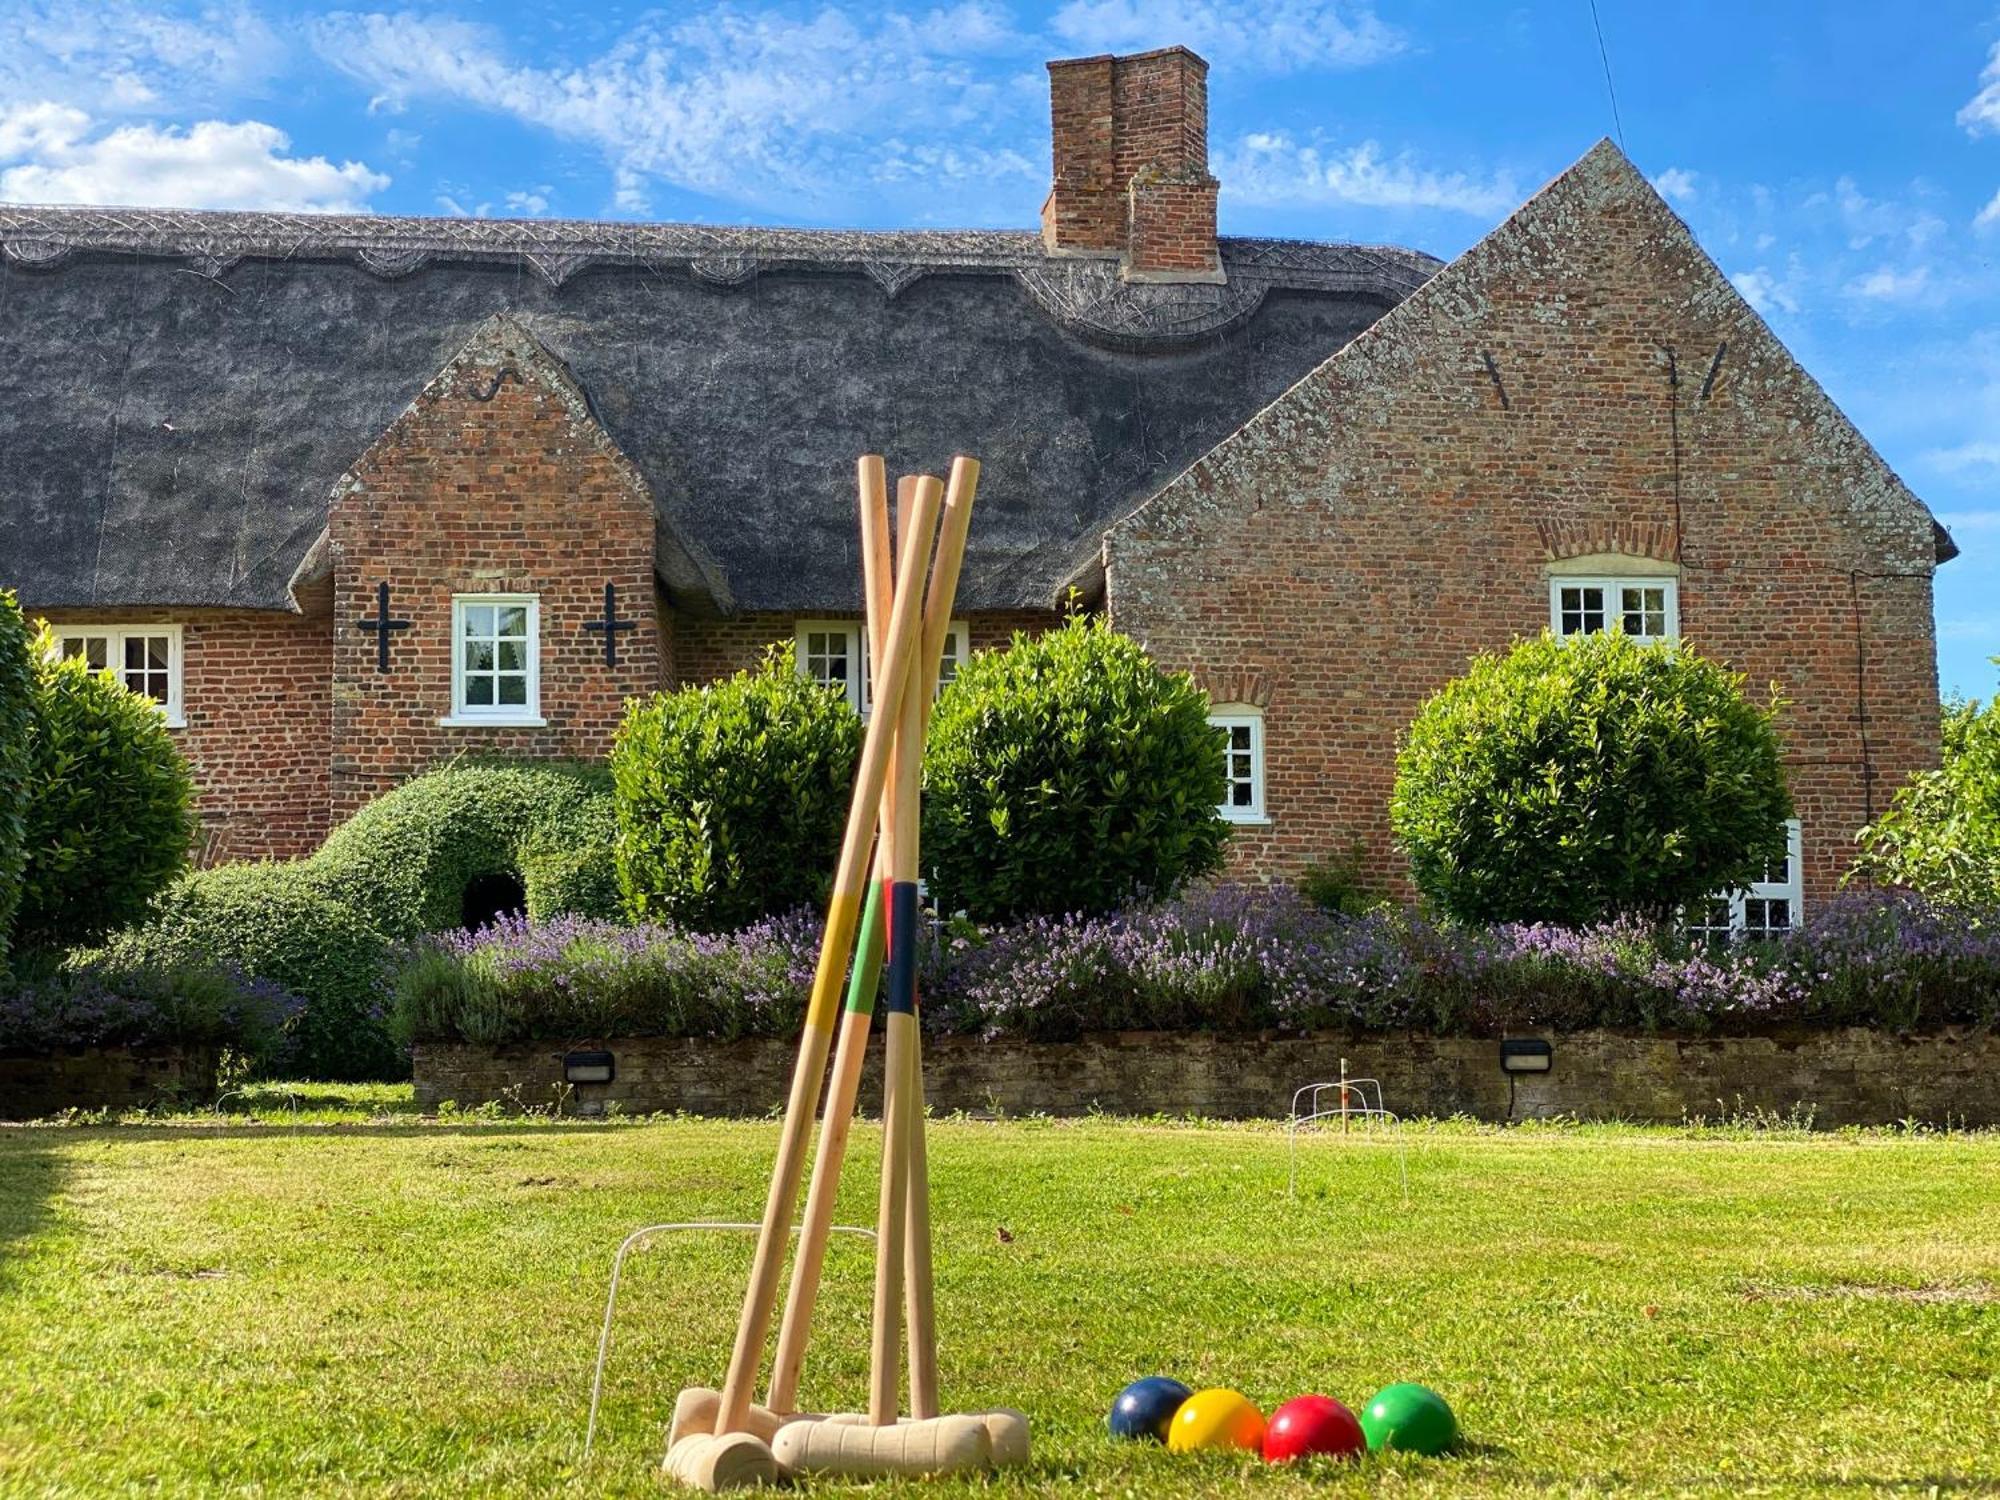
[(1583, 382)]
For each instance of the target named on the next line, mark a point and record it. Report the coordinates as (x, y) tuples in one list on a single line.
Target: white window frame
[(1234, 716), (465, 715), (1791, 889), (1614, 609), (860, 692), (114, 657)]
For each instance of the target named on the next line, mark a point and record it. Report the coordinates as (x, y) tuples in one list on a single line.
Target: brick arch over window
[(1234, 685), (1563, 539)]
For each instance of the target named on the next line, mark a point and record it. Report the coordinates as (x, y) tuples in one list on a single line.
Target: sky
[(1839, 159)]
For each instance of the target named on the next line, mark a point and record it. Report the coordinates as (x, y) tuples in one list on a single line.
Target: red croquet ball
[(1306, 1425)]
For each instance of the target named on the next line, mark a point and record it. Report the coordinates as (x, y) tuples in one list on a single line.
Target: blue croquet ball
[(1145, 1408)]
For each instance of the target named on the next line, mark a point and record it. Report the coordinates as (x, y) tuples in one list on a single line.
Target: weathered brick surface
[(257, 698), (497, 479), (1547, 396), (106, 1078), (1130, 149), (1851, 1077)]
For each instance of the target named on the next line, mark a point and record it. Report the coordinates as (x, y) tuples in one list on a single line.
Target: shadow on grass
[(32, 1172)]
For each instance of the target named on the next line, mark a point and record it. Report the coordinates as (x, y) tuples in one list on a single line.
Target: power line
[(1617, 125)]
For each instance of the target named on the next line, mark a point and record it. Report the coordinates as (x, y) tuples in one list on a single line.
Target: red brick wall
[(1340, 558), (518, 492), (1130, 149), (256, 695)]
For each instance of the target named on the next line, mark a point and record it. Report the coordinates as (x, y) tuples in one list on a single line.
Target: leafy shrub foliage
[(17, 714), (1941, 834), (1067, 773), (276, 923), (1574, 781), (110, 805), (404, 861), (101, 1005), (731, 798), (1224, 958)]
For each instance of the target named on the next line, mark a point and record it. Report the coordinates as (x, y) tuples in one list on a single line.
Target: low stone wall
[(1849, 1077), (105, 1078)]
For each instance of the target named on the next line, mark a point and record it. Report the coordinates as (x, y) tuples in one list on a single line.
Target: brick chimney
[(1131, 165)]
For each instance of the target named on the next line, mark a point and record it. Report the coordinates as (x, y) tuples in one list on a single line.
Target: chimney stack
[(1131, 165)]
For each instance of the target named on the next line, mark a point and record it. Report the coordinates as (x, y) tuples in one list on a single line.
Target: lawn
[(352, 1300)]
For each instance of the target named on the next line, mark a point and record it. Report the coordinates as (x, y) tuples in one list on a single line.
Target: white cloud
[(123, 56), (761, 108), (1887, 284), (1766, 292), (60, 158), (1989, 215), (1979, 454), (1276, 36), (1270, 169), (1981, 114), (1676, 185), (529, 205)]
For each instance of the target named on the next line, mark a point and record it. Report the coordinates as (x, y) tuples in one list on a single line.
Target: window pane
[(1582, 609), (1239, 794), (156, 653), (478, 656), (513, 656), (479, 691), (135, 653), (479, 619), (514, 691), (514, 620)]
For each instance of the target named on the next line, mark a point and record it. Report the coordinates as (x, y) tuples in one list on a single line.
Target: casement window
[(834, 653), (1647, 609), (495, 659), (146, 658), (1767, 908), (1242, 761)]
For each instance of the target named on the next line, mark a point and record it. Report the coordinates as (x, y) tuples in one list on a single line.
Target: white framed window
[(1647, 609), (1242, 761), (146, 658), (1767, 908), (496, 673), (834, 653)]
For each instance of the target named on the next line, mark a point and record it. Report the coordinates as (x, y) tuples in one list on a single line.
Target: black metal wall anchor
[(383, 626), (610, 625)]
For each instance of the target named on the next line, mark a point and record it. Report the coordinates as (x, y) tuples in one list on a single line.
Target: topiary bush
[(17, 714), (407, 860), (1573, 781), (1067, 773), (276, 923), (1941, 834), (731, 798), (110, 805)]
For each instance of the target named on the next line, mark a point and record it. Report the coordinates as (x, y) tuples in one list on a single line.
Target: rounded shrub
[(1067, 773), (731, 798), (110, 805), (17, 714), (1573, 781), (1941, 834), (273, 922), (419, 858)]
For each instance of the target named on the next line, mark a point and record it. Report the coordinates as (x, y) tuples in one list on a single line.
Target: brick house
[(353, 495)]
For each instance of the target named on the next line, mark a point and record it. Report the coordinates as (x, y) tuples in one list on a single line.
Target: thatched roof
[(179, 391)]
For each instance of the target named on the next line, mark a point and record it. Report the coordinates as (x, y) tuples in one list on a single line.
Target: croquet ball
[(1145, 1407), (1216, 1418), (1409, 1418), (1306, 1425)]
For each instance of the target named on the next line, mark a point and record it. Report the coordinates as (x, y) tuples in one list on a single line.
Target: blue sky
[(1840, 160)]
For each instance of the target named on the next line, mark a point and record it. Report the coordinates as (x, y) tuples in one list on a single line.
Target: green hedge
[(404, 861), (17, 711), (110, 805), (731, 798), (275, 922)]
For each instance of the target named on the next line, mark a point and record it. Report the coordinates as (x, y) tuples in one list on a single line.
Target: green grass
[(365, 1302)]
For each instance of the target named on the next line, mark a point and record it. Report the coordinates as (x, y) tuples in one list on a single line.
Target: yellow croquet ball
[(1216, 1418)]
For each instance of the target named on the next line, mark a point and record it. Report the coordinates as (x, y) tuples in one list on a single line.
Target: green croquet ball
[(1410, 1419)]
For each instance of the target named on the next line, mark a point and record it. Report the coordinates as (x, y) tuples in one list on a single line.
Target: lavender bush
[(1219, 958), (106, 1006)]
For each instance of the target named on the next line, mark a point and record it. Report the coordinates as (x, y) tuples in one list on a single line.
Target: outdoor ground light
[(1527, 1054), (588, 1067)]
